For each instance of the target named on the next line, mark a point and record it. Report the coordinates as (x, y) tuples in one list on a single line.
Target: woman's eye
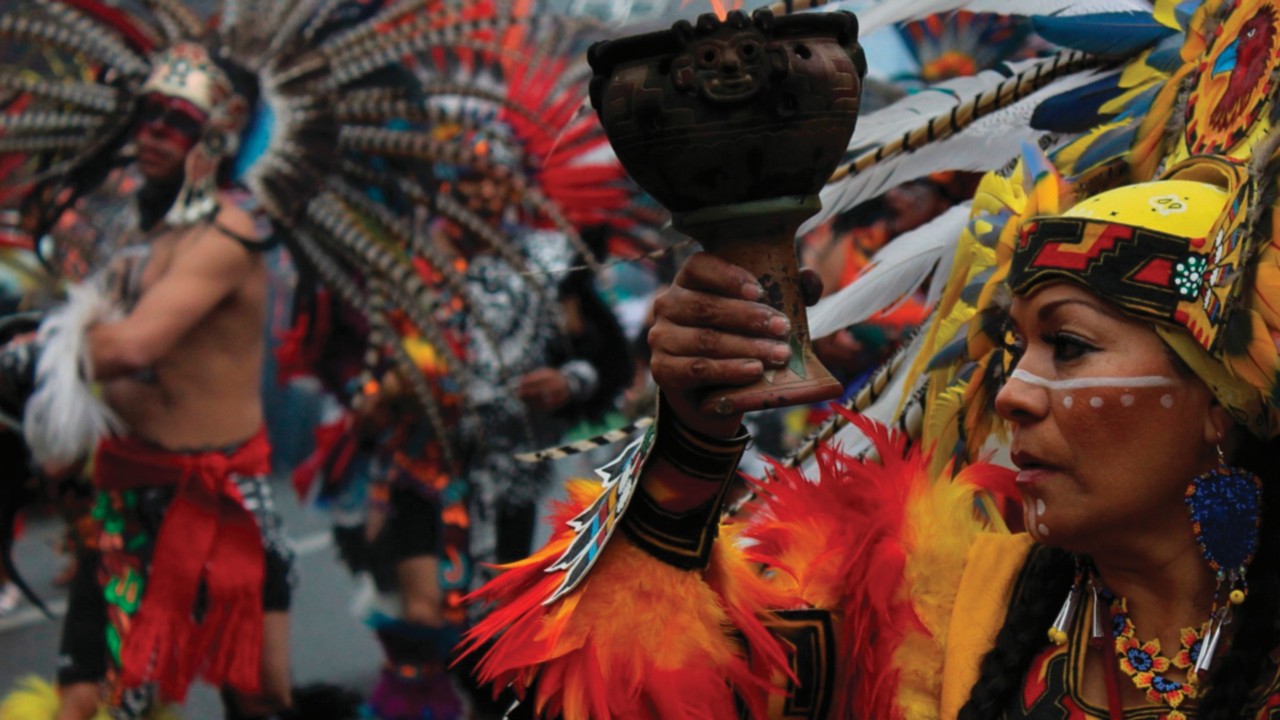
[(1068, 347)]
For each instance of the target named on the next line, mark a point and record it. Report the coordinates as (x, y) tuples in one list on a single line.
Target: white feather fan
[(988, 144), (64, 419), (888, 12)]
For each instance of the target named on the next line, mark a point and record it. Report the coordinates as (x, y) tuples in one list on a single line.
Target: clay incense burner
[(735, 126)]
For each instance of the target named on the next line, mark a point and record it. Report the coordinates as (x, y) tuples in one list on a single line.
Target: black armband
[(684, 539)]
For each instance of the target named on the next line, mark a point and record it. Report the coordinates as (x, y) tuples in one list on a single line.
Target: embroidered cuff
[(684, 539)]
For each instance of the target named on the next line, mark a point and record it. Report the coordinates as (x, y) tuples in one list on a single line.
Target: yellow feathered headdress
[(1182, 251)]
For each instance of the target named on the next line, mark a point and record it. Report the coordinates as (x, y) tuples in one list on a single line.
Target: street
[(329, 643)]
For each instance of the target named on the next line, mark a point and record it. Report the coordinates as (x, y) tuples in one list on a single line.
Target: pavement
[(328, 642)]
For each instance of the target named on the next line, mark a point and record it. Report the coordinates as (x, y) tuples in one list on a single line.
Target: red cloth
[(207, 535)]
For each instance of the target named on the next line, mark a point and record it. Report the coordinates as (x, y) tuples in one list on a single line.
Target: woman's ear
[(1217, 422)]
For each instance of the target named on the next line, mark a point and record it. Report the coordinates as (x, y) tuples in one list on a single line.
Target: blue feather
[(1185, 11), (1139, 104), (1109, 145), (255, 140), (1167, 56), (1078, 110), (1120, 34)]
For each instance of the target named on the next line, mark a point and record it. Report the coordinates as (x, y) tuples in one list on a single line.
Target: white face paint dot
[(1068, 401), (1039, 507), (1095, 402), (1126, 400), (1166, 400), (1042, 530)]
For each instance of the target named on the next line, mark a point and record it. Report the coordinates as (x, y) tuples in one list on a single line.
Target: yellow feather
[(1257, 365), (1266, 288), (1164, 13), (35, 699), (940, 528), (1146, 154)]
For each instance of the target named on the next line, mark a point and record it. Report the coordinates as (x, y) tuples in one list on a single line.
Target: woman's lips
[(1034, 474)]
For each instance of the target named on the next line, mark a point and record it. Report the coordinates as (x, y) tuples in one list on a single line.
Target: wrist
[(675, 514), (695, 453), (686, 412)]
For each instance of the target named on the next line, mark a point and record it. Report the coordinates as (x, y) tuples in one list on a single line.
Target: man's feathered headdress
[(342, 146)]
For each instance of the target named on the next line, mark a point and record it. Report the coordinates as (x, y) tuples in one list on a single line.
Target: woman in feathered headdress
[(337, 149), (1124, 350)]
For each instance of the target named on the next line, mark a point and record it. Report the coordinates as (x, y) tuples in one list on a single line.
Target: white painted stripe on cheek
[(1137, 381)]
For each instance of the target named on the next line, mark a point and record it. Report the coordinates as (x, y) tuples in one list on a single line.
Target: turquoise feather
[(1118, 34)]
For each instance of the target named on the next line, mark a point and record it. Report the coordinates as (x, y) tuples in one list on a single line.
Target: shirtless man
[(187, 525)]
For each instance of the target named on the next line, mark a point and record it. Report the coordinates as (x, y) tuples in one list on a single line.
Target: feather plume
[(66, 28), (1250, 350), (892, 405), (185, 23), (399, 277), (90, 96), (578, 659), (933, 101), (586, 445), (982, 133), (897, 271), (889, 12), (28, 144), (417, 243), (49, 122), (359, 60), (898, 539), (1079, 110), (64, 419), (35, 699), (861, 402), (422, 390), (1112, 34)]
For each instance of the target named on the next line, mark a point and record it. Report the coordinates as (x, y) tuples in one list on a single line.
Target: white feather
[(64, 419), (894, 273), (889, 12), (884, 411), (988, 144), (934, 101)]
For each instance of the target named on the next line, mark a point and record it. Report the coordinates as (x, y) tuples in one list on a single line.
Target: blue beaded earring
[(1226, 508)]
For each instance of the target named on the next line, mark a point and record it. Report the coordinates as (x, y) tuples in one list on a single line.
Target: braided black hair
[(1045, 579)]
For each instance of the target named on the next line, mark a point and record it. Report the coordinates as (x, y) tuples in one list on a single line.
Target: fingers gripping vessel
[(735, 126)]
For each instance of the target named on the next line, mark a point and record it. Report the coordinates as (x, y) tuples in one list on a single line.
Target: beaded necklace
[(1148, 668)]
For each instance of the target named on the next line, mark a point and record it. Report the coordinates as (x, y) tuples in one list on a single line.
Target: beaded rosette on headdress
[(1179, 251)]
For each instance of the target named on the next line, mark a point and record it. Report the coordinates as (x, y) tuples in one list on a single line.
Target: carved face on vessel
[(727, 67)]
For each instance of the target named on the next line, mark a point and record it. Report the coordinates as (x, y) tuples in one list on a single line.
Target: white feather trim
[(895, 272), (884, 410), (936, 100), (64, 419), (988, 144), (888, 12)]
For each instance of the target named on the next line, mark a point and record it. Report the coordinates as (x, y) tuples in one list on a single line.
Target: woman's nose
[(1021, 400)]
